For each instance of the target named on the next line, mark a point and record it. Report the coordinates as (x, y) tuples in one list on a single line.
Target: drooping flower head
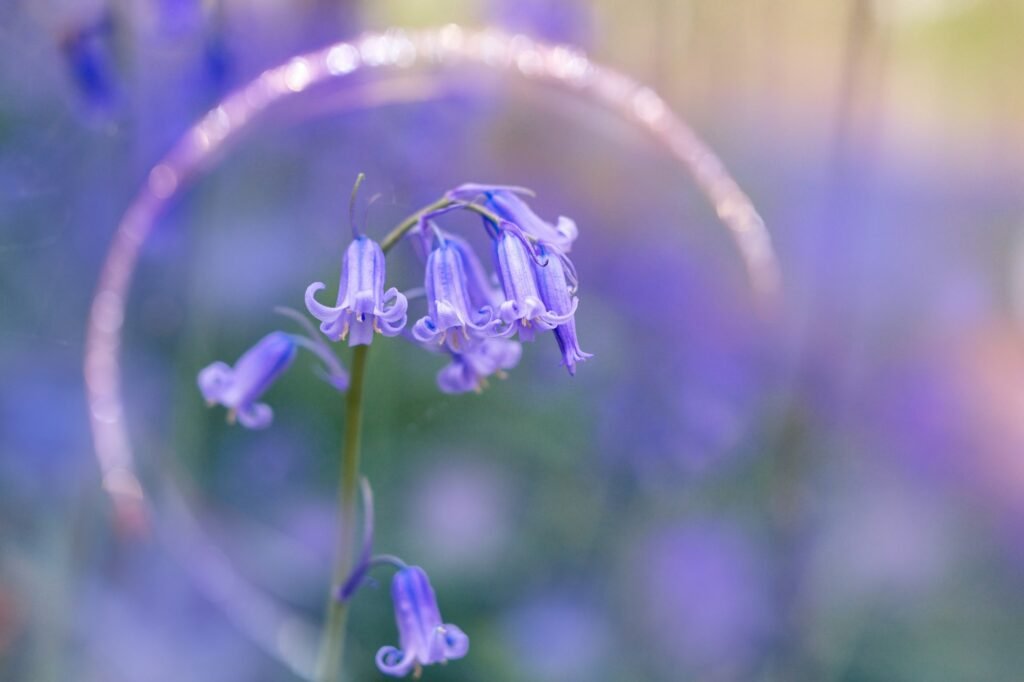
[(505, 202), (451, 316), (238, 388), (469, 370), (362, 306), (523, 308), (556, 279), (423, 638)]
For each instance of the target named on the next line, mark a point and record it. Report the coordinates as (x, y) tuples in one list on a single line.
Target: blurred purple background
[(836, 493)]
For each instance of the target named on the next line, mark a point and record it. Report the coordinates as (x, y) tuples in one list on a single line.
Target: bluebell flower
[(238, 388), (481, 290), (424, 639), (90, 61), (556, 279), (451, 316), (469, 370), (505, 202), (523, 308), (362, 306)]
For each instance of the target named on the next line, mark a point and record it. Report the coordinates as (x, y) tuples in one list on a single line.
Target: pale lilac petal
[(213, 380), (469, 371), (456, 642), (470, 190), (566, 228), (255, 415), (259, 367), (457, 377), (361, 332), (556, 279), (425, 331), (393, 662), (569, 346), (334, 321), (396, 313)]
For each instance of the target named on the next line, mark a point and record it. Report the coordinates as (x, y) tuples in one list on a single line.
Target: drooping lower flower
[(423, 638), (469, 371), (523, 309), (239, 388), (451, 317), (556, 280), (505, 202), (362, 306)]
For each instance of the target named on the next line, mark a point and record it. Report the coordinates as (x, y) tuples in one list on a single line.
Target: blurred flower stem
[(332, 646)]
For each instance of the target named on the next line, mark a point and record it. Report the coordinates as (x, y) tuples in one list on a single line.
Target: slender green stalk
[(444, 202), (332, 645)]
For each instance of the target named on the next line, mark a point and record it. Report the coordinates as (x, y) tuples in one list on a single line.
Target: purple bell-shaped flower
[(362, 306), (523, 309), (469, 371), (239, 388), (423, 638), (451, 317), (556, 279)]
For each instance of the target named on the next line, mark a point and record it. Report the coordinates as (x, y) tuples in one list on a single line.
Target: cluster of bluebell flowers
[(477, 317)]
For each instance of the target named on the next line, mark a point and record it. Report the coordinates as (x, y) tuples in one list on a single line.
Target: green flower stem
[(332, 646), (444, 202)]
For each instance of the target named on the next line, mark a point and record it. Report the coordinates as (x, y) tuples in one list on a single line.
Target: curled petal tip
[(393, 662), (456, 642), (255, 416)]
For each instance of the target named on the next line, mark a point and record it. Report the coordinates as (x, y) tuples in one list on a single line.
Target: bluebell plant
[(476, 317)]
